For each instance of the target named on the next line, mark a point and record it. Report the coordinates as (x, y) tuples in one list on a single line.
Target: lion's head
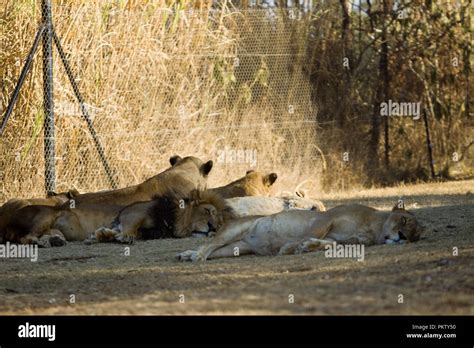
[(205, 219), (401, 226), (62, 197), (192, 169), (254, 183), (204, 212), (259, 182)]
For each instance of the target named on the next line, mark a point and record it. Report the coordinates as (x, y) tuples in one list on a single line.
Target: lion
[(184, 175), (11, 206), (252, 184), (51, 199), (299, 231), (201, 214), (75, 222), (55, 225), (165, 217)]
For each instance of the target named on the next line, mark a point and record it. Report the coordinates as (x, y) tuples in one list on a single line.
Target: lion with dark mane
[(166, 217), (202, 213), (75, 219)]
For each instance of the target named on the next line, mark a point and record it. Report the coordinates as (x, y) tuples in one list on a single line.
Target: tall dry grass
[(159, 79), (182, 77)]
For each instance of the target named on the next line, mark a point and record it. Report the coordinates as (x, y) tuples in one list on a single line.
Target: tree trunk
[(385, 76), (428, 143), (373, 158), (466, 20), (345, 96), (375, 134)]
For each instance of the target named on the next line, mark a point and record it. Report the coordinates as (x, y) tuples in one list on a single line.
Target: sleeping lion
[(203, 213), (299, 231)]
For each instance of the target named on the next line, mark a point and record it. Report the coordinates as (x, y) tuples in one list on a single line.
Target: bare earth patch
[(150, 281)]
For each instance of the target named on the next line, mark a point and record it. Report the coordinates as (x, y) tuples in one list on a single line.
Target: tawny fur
[(9, 209), (253, 183), (292, 231), (78, 218), (203, 212)]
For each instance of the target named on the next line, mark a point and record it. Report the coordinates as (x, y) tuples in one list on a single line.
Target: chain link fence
[(296, 88), (136, 82)]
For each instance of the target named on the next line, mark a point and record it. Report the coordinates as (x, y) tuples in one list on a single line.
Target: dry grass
[(158, 81), (446, 188), (165, 77)]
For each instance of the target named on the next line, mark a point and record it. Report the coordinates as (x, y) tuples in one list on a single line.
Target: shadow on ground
[(428, 275)]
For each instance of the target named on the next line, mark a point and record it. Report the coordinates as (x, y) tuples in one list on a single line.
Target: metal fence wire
[(224, 83), (293, 87)]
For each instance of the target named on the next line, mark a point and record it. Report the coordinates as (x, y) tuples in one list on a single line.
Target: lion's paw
[(124, 238), (186, 255), (102, 235), (287, 249), (190, 255), (43, 242), (57, 241), (198, 257), (310, 245), (91, 239)]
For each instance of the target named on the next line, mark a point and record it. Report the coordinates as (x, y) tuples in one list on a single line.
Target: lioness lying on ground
[(305, 231), (202, 213), (51, 200), (53, 225), (184, 175), (7, 211), (252, 184)]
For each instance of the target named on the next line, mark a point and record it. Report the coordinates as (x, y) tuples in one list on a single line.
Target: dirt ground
[(150, 281)]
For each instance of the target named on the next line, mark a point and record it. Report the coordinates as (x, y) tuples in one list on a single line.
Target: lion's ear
[(249, 171), (206, 167), (72, 193), (174, 160), (399, 206), (270, 178)]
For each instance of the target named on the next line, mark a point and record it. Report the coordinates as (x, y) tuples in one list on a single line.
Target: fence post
[(49, 140)]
